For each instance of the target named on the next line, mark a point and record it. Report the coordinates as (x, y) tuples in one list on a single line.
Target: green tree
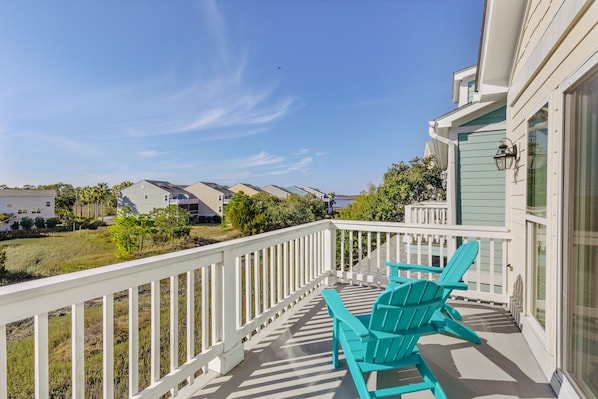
[(403, 184), (171, 222), (51, 223), (40, 222), (125, 233), (362, 208), (26, 223)]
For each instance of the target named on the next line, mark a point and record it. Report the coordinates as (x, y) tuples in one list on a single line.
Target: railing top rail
[(440, 229)]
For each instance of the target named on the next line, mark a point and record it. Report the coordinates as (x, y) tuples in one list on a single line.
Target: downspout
[(451, 169)]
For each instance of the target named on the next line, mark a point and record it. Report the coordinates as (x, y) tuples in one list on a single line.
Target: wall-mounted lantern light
[(506, 155)]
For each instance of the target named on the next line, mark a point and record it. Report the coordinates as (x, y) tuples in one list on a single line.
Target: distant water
[(342, 202)]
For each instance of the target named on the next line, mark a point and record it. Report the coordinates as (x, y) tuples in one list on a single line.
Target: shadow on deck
[(293, 359)]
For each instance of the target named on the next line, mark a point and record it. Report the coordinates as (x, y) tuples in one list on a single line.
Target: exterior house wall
[(246, 188), (212, 198), (143, 197), (481, 187), (557, 39), (18, 204), (276, 191)]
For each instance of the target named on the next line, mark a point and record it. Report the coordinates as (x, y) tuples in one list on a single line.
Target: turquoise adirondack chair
[(386, 339), (451, 278)]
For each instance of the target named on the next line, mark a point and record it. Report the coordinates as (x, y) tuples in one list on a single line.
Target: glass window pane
[(538, 259), (582, 235), (537, 146)]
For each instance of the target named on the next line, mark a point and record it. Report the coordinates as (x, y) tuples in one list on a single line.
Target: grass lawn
[(65, 252)]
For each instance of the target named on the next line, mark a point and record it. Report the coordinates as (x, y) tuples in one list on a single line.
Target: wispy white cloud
[(261, 159), (151, 153)]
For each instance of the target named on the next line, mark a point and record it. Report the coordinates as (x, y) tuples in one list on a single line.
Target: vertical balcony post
[(233, 353), (330, 253)]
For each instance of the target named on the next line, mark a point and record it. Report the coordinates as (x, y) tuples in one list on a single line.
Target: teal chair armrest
[(416, 268), (338, 311), (455, 286)]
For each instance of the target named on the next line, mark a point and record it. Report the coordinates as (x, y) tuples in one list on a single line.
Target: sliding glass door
[(581, 236)]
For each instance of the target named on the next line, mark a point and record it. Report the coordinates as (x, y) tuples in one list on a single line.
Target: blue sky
[(327, 94)]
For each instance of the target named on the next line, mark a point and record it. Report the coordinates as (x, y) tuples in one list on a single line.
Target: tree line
[(80, 205), (404, 183)]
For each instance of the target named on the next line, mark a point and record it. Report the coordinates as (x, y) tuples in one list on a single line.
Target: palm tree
[(103, 191)]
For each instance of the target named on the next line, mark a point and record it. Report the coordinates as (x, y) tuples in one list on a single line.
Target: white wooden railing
[(428, 212), (219, 296)]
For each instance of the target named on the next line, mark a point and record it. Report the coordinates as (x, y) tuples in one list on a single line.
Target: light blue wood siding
[(495, 116), (480, 186)]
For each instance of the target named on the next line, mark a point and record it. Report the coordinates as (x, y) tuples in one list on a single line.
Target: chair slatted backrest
[(400, 312), (459, 263)]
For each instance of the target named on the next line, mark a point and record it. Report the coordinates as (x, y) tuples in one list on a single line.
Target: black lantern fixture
[(505, 156)]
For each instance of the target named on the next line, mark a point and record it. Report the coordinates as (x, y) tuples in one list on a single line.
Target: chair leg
[(335, 328), (425, 371), (462, 331)]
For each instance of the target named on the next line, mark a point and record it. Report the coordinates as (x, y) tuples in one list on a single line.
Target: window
[(537, 181), (9, 205), (36, 210), (537, 143), (470, 90), (145, 196), (581, 235), (22, 211), (165, 197), (48, 203)]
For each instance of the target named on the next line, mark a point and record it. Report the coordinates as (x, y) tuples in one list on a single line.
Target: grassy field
[(65, 252)]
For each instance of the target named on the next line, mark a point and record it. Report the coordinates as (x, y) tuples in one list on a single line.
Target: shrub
[(216, 219), (39, 222), (201, 219), (51, 223), (26, 223)]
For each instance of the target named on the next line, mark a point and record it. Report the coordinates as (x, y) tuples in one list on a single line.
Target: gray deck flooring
[(293, 358)]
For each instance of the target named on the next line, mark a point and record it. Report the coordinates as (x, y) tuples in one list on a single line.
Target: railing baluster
[(342, 259), (190, 319), (108, 346), (279, 277), (239, 290), (41, 355), (78, 350), (256, 285), (155, 332), (492, 271), (265, 280), (273, 278), (247, 263), (217, 304), (174, 327), (133, 340), (205, 310)]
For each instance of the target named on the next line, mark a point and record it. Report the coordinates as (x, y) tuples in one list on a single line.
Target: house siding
[(481, 187), (557, 39), (142, 197), (495, 116)]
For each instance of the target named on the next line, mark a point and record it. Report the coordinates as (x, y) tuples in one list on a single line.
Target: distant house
[(276, 191), (296, 190), (212, 198), (146, 195), (248, 189), (328, 202), (17, 204), (465, 141)]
